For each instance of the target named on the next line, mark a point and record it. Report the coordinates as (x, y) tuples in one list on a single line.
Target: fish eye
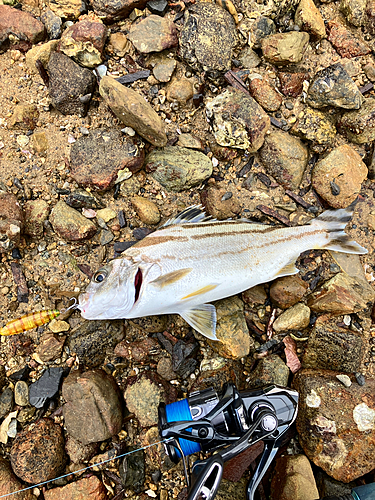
[(100, 276)]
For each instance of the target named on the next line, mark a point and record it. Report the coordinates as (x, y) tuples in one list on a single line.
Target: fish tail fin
[(334, 222)]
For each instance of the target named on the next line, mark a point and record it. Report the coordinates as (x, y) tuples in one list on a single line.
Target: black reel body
[(227, 424)]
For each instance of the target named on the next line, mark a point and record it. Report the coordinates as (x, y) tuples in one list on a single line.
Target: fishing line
[(85, 468)]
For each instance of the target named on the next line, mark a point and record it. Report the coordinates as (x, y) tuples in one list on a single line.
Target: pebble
[(37, 453), (316, 127), (11, 222), (87, 487), (269, 370), (24, 117), (296, 317), (58, 326), (142, 398), (40, 52), (360, 378), (217, 204), (36, 213), (285, 158), (67, 10), (91, 397), (180, 90), (354, 11), (132, 109), (65, 92), (52, 24), (46, 387), (165, 369), (249, 58), (345, 168), (20, 24), (139, 350), (163, 70), (345, 42), (261, 28), (9, 484), (81, 198), (291, 84), (132, 470), (265, 94), (285, 48), (153, 34), (293, 478), (359, 126), (40, 142), (237, 120), (158, 7), (146, 210), (332, 86), (118, 44), (344, 379), (190, 141), (79, 452), (6, 402), (70, 224), (178, 168), (89, 158), (309, 19), (287, 291), (21, 393)]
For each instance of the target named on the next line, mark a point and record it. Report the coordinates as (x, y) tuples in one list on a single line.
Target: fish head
[(112, 291)]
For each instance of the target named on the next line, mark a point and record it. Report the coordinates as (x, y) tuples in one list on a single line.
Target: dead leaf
[(292, 360)]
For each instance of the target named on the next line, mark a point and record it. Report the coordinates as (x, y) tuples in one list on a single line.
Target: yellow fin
[(203, 319), (287, 270), (172, 277), (205, 289)]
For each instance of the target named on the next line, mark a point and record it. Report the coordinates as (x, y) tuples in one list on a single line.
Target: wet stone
[(153, 34), (291, 84), (285, 48), (218, 203), (69, 224), (338, 434), (25, 117), (208, 38), (180, 90), (237, 120), (293, 478), (359, 126), (70, 9), (345, 42), (87, 487), (50, 347), (143, 398), (287, 291), (132, 470), (316, 127), (332, 86), (11, 222), (146, 210), (38, 453), (265, 94), (354, 11), (36, 212), (97, 159), (84, 42), (285, 158), (6, 402), (309, 19), (91, 397), (9, 484), (21, 393), (46, 387), (269, 370), (52, 24), (68, 82), (345, 168), (178, 168), (296, 317), (21, 25)]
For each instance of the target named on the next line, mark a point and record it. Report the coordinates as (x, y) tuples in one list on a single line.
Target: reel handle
[(206, 478)]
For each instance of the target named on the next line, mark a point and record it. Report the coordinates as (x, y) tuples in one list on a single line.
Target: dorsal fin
[(192, 214)]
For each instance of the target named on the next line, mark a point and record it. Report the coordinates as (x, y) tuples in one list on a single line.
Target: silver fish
[(192, 260)]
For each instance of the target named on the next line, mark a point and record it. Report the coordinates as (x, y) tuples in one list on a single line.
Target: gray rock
[(6, 402), (143, 398), (163, 70), (237, 120), (178, 168), (46, 387), (21, 393), (285, 48), (296, 317), (114, 10), (70, 224), (249, 58), (285, 158), (269, 370), (11, 222), (332, 86), (153, 34), (316, 127), (68, 82), (132, 470), (261, 28), (91, 397), (52, 24), (329, 487), (79, 452), (208, 38), (354, 11), (359, 126)]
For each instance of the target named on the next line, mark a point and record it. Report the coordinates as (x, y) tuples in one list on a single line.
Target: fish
[(193, 260), (29, 321)]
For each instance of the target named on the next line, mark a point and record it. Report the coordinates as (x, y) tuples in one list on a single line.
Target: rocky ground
[(115, 116)]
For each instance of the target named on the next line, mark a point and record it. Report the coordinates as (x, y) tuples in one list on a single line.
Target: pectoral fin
[(288, 270), (170, 278), (203, 319)]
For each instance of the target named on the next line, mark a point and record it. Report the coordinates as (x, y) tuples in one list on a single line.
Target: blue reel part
[(176, 412)]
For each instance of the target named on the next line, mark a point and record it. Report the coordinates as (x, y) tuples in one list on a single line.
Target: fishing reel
[(227, 425)]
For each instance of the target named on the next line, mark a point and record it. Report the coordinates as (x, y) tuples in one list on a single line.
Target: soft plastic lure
[(29, 321)]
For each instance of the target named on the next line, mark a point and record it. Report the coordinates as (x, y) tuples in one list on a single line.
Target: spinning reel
[(228, 425)]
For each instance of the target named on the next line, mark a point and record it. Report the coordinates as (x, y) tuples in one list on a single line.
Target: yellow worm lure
[(29, 321)]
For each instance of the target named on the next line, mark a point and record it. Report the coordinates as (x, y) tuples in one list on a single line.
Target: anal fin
[(288, 270), (203, 319)]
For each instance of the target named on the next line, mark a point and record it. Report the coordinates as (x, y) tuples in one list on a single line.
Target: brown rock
[(20, 24), (296, 317), (316, 127), (287, 291), (235, 468), (79, 452), (70, 224), (146, 210), (293, 478), (118, 44), (153, 34), (11, 221), (359, 126), (36, 212), (370, 14), (91, 397), (50, 347), (40, 52), (138, 350), (309, 19), (265, 94), (291, 84), (285, 48), (40, 142), (67, 9), (115, 10), (345, 42), (344, 167), (220, 203), (269, 370), (336, 424), (180, 90), (143, 398), (165, 369), (88, 487), (9, 484), (38, 453), (25, 116)]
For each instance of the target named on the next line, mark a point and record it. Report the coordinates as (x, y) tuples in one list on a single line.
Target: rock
[(237, 120), (345, 42), (332, 347), (25, 116), (291, 84), (97, 159), (42, 53), (178, 168), (165, 369), (130, 186), (261, 28), (153, 34), (115, 10), (69, 83), (228, 490), (316, 127), (132, 470), (38, 453), (70, 9), (332, 86), (309, 19), (80, 198), (265, 94), (344, 379), (132, 109), (146, 210), (328, 486), (21, 393), (237, 466), (139, 350), (255, 295), (50, 347), (6, 402), (183, 354), (84, 42), (158, 7), (40, 142), (91, 339), (342, 294), (79, 452), (163, 70), (369, 70), (344, 167), (293, 478), (231, 330), (9, 484), (180, 90), (220, 203), (70, 224), (208, 38), (87, 487), (36, 212), (285, 48), (296, 317), (52, 24), (118, 44), (190, 141), (354, 11), (22, 26), (91, 397), (11, 222), (287, 291), (46, 387), (269, 370), (143, 398), (370, 14), (358, 126), (337, 435), (285, 158), (249, 58)]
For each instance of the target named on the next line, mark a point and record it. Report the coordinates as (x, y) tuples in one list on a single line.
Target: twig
[(272, 213), (298, 199), (236, 82)]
